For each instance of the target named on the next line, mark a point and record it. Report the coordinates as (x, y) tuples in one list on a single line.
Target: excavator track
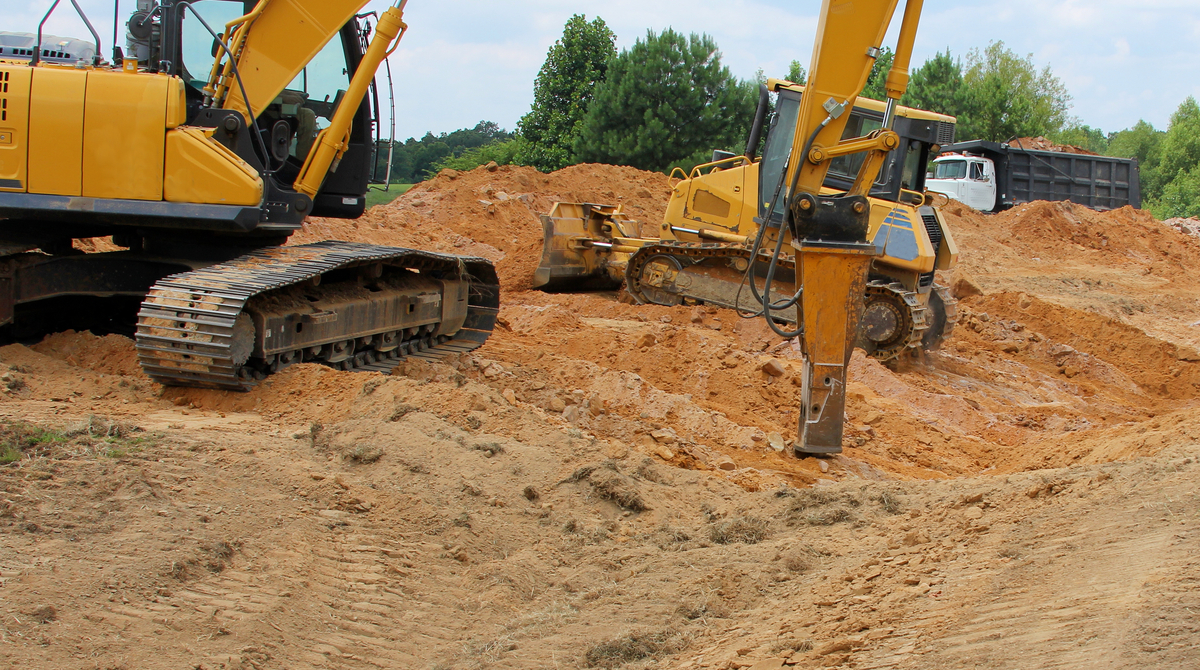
[(194, 328)]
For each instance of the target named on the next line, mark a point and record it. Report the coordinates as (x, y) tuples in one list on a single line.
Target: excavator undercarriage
[(353, 306)]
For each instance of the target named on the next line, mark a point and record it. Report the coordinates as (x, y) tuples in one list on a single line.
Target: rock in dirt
[(616, 449), (646, 340), (973, 513), (965, 287), (493, 370), (834, 647), (726, 463), (664, 436), (556, 405), (769, 664), (776, 441), (774, 368), (510, 395), (530, 493), (571, 413)]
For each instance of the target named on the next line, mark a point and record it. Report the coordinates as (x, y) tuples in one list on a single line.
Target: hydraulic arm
[(829, 233)]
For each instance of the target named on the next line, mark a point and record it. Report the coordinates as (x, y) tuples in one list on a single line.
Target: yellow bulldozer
[(701, 251)]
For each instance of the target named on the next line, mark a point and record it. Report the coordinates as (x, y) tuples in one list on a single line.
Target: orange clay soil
[(610, 485)]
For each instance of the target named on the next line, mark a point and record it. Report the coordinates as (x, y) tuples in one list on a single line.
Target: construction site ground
[(610, 485)]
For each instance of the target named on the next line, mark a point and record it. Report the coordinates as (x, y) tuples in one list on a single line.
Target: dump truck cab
[(966, 178)]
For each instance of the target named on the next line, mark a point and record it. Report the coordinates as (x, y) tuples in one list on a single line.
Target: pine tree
[(666, 101), (574, 66)]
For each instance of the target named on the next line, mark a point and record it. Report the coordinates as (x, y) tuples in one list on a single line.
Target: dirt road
[(598, 486)]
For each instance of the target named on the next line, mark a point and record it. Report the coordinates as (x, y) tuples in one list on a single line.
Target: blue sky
[(469, 60)]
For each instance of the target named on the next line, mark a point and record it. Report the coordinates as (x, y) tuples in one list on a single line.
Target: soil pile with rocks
[(605, 485)]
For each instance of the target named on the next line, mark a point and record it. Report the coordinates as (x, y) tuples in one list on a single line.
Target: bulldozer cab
[(903, 171)]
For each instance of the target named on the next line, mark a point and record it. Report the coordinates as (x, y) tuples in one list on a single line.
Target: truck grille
[(945, 132)]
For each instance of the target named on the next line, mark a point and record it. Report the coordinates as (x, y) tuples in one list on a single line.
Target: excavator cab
[(289, 124)]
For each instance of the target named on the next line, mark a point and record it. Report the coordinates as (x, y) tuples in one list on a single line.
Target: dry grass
[(365, 453), (634, 647), (820, 507), (743, 529)]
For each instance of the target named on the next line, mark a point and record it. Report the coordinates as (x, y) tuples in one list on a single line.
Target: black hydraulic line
[(116, 26), (770, 278), (760, 116), (262, 144)]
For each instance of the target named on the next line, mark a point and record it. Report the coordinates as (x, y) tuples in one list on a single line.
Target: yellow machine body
[(112, 134), (843, 249), (721, 197)]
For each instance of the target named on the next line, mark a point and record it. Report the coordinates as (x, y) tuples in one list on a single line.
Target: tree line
[(668, 101)]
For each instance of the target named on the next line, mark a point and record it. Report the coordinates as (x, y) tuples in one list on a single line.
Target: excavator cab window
[(916, 157), (197, 46), (308, 103)]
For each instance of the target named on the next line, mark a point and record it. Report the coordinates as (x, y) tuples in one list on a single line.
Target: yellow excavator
[(200, 150), (832, 227)]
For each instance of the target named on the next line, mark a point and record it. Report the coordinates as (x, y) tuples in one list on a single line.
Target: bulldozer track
[(915, 320), (186, 326), (696, 252)]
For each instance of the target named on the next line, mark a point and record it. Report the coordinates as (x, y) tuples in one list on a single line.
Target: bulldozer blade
[(834, 277), (576, 248)]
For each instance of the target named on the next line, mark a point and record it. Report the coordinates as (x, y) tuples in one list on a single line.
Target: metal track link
[(186, 326), (913, 321), (694, 252), (951, 306)]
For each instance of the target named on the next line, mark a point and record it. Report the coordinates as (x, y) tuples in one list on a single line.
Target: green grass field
[(377, 197)]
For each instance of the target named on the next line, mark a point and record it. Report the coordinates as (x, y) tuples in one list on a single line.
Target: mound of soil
[(1042, 144), (612, 485), (494, 213)]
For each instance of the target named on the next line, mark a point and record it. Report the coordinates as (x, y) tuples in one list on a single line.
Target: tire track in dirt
[(1083, 583)]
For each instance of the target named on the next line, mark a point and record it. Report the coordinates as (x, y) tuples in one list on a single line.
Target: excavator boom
[(810, 237)]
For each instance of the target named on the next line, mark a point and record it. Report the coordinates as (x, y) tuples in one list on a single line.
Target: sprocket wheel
[(893, 320)]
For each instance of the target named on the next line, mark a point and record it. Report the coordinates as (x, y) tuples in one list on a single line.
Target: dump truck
[(992, 177)]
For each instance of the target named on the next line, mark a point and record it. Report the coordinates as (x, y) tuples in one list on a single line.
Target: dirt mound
[(604, 482), (1042, 144), (1189, 226), (494, 214), (110, 354)]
